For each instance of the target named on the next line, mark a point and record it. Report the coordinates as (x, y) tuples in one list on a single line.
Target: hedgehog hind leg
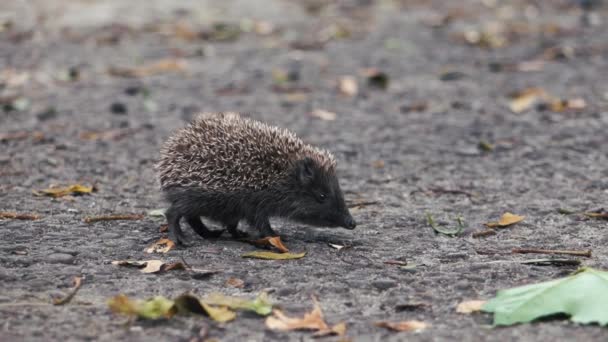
[(175, 231), (232, 227), (199, 227), (262, 224)]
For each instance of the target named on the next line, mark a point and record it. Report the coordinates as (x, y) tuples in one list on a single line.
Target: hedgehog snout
[(349, 222)]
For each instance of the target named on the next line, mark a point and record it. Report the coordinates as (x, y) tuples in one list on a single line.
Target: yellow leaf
[(506, 219), (526, 99), (75, 189), (219, 314), (161, 246), (273, 255), (470, 306), (260, 305), (403, 326), (154, 308)]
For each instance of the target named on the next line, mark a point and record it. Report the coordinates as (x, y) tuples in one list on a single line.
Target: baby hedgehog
[(227, 169)]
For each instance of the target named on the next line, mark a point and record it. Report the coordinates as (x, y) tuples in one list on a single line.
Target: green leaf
[(273, 255), (582, 296), (154, 308), (448, 232), (260, 305)]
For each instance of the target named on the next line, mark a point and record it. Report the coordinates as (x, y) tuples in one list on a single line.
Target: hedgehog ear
[(305, 171)]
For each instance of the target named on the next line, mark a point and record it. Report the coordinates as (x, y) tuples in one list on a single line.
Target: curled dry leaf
[(274, 241), (470, 306), (311, 321), (403, 325), (150, 266), (190, 304), (348, 86), (158, 67), (273, 256), (333, 245), (526, 98), (77, 282), (75, 189), (235, 282), (323, 114), (506, 219), (161, 246)]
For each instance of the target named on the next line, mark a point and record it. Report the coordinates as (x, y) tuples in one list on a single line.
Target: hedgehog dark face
[(320, 201)]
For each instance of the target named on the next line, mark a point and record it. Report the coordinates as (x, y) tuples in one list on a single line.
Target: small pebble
[(118, 108)]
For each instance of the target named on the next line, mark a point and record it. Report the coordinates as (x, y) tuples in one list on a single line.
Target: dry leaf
[(525, 99), (311, 321), (161, 246), (188, 303), (219, 314), (154, 308), (403, 325), (338, 247), (260, 305), (559, 105), (75, 189), (235, 282), (109, 135), (77, 283), (158, 67), (274, 241), (347, 85), (470, 306), (323, 114), (150, 266), (506, 219), (273, 255)]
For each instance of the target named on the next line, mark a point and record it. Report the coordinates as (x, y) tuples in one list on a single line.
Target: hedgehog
[(228, 169)]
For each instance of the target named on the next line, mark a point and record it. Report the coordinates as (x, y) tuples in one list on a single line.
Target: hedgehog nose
[(349, 222)]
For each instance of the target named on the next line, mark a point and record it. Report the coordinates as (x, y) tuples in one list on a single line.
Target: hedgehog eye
[(321, 197)]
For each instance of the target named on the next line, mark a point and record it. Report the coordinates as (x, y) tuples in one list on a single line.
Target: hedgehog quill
[(229, 169)]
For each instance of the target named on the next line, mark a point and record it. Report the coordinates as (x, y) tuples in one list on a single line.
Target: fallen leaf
[(403, 325), (260, 305), (109, 135), (161, 246), (470, 306), (75, 189), (274, 241), (506, 219), (323, 114), (158, 67), (150, 266), (157, 212), (582, 296), (311, 321), (347, 85), (526, 98), (273, 255), (77, 283), (190, 304), (453, 232), (235, 282), (154, 308)]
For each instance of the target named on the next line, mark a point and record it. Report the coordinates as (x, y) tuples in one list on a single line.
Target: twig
[(16, 216), (71, 294), (586, 253), (482, 233), (91, 219)]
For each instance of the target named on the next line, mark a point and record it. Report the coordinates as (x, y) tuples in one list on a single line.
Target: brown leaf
[(470, 306), (272, 241), (235, 282), (161, 246), (403, 325), (273, 255), (506, 219), (158, 67), (311, 321), (61, 301), (75, 189)]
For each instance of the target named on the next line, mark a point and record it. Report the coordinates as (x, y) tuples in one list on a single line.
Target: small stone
[(118, 108), (59, 258), (384, 284)]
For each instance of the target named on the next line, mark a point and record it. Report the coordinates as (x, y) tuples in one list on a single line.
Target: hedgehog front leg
[(199, 227), (233, 230), (175, 232), (263, 226)]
